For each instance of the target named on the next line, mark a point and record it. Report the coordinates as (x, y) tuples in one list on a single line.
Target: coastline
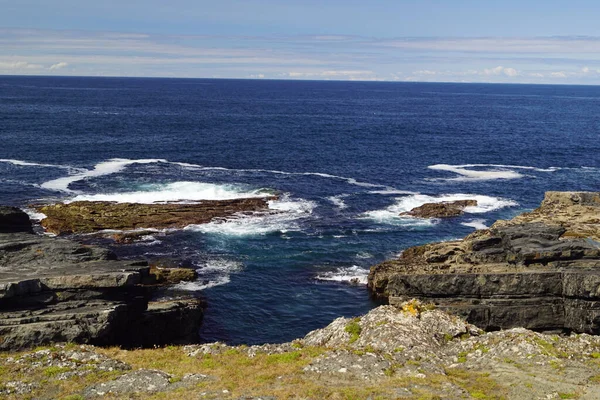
[(405, 350)]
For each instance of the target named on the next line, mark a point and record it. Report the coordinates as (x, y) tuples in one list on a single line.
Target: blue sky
[(420, 40)]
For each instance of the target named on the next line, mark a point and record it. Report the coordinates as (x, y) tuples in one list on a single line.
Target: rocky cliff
[(540, 270), (57, 290)]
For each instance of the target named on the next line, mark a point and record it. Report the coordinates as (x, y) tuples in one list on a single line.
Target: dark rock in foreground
[(540, 270), (56, 290), (13, 220), (93, 216), (444, 209)]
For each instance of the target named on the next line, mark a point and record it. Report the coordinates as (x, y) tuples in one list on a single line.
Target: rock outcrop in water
[(444, 209), (540, 270), (93, 216), (57, 290)]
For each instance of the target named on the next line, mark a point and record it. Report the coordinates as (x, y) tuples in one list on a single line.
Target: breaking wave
[(353, 274), (284, 217), (176, 192)]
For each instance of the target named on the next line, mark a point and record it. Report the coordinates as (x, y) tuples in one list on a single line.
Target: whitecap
[(499, 171), (213, 272), (34, 164), (101, 169), (338, 201), (176, 192), (476, 223), (34, 215), (353, 274), (202, 284), (285, 218)]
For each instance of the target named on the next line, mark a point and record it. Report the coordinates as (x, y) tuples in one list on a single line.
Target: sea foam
[(498, 171), (285, 217), (176, 192), (345, 274)]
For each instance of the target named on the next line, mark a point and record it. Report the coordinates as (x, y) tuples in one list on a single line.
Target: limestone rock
[(540, 270), (444, 209)]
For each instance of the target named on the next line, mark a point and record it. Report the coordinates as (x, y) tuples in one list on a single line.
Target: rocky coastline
[(509, 312), (540, 270), (58, 290)]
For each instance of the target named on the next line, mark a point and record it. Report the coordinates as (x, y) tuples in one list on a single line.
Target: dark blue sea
[(345, 157)]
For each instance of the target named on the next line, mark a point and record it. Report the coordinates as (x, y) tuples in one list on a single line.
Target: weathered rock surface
[(412, 351), (92, 216), (57, 290), (444, 209), (540, 270)]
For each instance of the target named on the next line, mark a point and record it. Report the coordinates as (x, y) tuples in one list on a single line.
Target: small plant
[(462, 356), (595, 355), (53, 371), (354, 329), (567, 396)]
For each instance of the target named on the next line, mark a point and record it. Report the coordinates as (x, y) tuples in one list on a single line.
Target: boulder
[(13, 219), (444, 209), (93, 216), (540, 270)]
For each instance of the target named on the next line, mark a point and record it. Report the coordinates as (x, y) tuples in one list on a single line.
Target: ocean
[(345, 159)]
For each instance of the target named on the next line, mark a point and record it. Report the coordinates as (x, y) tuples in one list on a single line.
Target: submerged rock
[(93, 216), (444, 209), (540, 270)]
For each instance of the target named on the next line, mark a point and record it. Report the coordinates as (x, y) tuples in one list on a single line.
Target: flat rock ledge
[(94, 216), (57, 290), (540, 270)]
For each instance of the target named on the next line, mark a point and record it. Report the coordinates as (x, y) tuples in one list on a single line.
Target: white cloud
[(499, 70), (19, 65), (59, 65)]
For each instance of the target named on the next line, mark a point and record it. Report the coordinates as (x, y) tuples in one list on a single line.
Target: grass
[(280, 375), (354, 329)]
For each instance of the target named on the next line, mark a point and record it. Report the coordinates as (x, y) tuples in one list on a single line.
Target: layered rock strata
[(93, 216), (540, 270), (54, 290)]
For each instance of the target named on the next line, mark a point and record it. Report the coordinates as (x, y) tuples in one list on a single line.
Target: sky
[(506, 41)]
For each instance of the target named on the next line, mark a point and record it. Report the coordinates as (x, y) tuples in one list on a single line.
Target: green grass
[(354, 329)]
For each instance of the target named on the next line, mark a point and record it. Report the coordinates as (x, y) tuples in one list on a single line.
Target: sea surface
[(345, 157)]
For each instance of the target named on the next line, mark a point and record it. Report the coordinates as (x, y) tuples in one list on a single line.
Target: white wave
[(364, 255), (353, 274), (101, 169), (33, 164), (176, 192), (202, 284), (476, 223), (285, 219), (213, 272), (34, 215), (391, 213), (338, 201), (499, 171), (118, 164), (391, 191), (351, 181)]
